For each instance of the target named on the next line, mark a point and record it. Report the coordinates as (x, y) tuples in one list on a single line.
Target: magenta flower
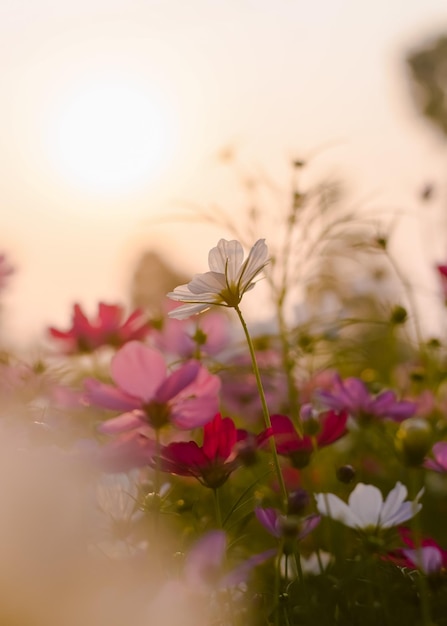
[(299, 449), (352, 395), (439, 462), (223, 450), (280, 525), (149, 396), (109, 328)]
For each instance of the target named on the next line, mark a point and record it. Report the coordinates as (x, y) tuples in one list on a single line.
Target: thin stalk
[(265, 410), (416, 525), (217, 508)]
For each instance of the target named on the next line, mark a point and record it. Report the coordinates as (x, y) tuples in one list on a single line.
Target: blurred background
[(121, 121)]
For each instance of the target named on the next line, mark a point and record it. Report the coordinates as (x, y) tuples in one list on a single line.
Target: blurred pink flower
[(208, 334), (239, 390), (280, 525), (109, 328), (204, 570), (352, 395), (149, 396), (439, 461), (427, 555)]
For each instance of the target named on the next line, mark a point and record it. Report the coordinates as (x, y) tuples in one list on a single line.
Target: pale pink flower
[(226, 282), (206, 335), (149, 396)]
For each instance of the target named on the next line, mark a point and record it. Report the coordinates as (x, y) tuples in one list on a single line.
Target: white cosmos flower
[(226, 282), (367, 509)]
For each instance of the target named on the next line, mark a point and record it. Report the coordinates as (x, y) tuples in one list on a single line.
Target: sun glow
[(110, 136)]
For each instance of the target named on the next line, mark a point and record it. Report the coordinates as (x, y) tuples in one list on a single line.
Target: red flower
[(223, 449), (299, 449), (109, 328)]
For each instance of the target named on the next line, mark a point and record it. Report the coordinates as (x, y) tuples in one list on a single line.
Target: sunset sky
[(113, 114)]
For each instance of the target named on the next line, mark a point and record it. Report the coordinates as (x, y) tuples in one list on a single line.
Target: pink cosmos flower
[(299, 449), (280, 525), (352, 395), (5, 271), (223, 450), (109, 328), (239, 390), (208, 334), (428, 556), (149, 396), (191, 599), (439, 462)]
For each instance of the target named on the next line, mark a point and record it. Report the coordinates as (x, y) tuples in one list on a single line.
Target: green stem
[(217, 507), (265, 410), (415, 478)]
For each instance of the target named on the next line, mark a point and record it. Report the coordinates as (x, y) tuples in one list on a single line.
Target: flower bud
[(298, 502), (413, 440), (345, 474), (398, 315)]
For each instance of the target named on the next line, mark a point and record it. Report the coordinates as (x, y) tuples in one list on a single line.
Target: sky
[(114, 113)]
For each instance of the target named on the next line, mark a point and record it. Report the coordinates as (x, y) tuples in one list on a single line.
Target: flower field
[(186, 467)]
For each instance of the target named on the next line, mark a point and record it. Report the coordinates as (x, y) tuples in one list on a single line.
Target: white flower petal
[(332, 506), (210, 282), (255, 263), (226, 256), (185, 311), (393, 502), (366, 503), (406, 511)]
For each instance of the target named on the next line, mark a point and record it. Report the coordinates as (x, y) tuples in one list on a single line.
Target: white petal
[(393, 502), (210, 282), (227, 256), (406, 511), (185, 311), (366, 503), (332, 506), (254, 264)]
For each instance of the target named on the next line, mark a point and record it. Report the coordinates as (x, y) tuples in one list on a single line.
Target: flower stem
[(265, 410), (217, 507), (416, 480)]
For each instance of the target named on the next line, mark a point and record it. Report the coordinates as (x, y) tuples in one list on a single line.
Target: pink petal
[(219, 438), (333, 427), (109, 316), (286, 438), (138, 370), (109, 397), (177, 381), (269, 519), (129, 451), (183, 458), (205, 559), (122, 423), (192, 413)]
